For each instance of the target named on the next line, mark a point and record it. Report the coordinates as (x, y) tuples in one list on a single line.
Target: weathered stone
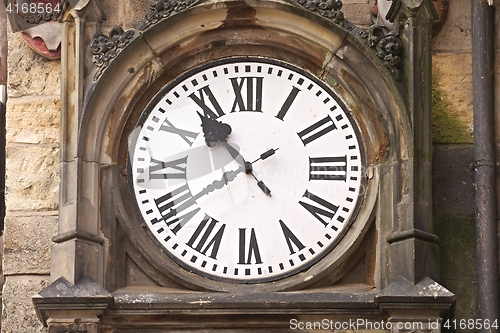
[(455, 35), (453, 179), (457, 235), (32, 178), (29, 73), (452, 98), (18, 314), (136, 12), (114, 13), (33, 120), (27, 244), (357, 12)]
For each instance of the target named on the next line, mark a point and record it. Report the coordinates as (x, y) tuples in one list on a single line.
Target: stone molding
[(63, 305), (384, 43)]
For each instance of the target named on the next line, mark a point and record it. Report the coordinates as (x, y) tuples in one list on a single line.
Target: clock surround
[(100, 248)]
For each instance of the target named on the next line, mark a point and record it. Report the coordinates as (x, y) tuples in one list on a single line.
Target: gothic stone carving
[(387, 46), (105, 48), (160, 9), (326, 8)]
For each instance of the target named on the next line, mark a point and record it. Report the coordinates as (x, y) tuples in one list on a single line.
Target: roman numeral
[(207, 110), (320, 209), (203, 243), (288, 102), (317, 130), (253, 248), (184, 134), (169, 170), (291, 238), (328, 168), (253, 94), (173, 203)]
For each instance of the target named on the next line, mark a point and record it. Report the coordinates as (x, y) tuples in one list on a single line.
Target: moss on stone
[(457, 261), (446, 128)]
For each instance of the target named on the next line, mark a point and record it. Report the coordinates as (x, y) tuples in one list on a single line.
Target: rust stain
[(119, 126), (237, 12), (366, 112)]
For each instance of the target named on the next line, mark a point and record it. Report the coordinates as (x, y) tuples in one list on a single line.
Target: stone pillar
[(78, 251), (413, 250), (76, 298)]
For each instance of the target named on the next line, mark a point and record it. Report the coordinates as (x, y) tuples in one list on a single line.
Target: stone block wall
[(32, 152), (32, 181)]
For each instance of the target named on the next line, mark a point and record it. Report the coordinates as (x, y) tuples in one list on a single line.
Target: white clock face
[(225, 220)]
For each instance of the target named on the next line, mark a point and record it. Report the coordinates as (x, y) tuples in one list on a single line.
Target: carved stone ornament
[(160, 9), (326, 8), (105, 48), (387, 46)]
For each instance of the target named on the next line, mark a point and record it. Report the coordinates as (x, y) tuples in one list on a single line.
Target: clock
[(246, 170)]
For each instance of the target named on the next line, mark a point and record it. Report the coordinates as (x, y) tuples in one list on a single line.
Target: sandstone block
[(357, 12), (18, 312), (114, 13), (28, 243), (33, 120), (30, 74), (136, 12), (452, 98), (32, 178), (455, 35)]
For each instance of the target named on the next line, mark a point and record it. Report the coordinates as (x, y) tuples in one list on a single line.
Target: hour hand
[(238, 158), (214, 131)]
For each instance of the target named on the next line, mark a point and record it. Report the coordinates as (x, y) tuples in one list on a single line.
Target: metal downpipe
[(484, 156)]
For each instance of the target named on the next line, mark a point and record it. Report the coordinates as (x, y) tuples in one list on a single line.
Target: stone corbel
[(78, 251), (64, 307), (418, 308)]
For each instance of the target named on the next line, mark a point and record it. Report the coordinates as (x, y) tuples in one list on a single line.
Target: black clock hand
[(248, 165), (214, 131), (238, 158), (265, 155), (262, 186), (227, 177)]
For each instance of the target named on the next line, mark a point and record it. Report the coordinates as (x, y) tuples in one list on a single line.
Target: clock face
[(246, 170)]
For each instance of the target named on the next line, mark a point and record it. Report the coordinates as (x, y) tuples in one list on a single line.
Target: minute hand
[(227, 177)]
